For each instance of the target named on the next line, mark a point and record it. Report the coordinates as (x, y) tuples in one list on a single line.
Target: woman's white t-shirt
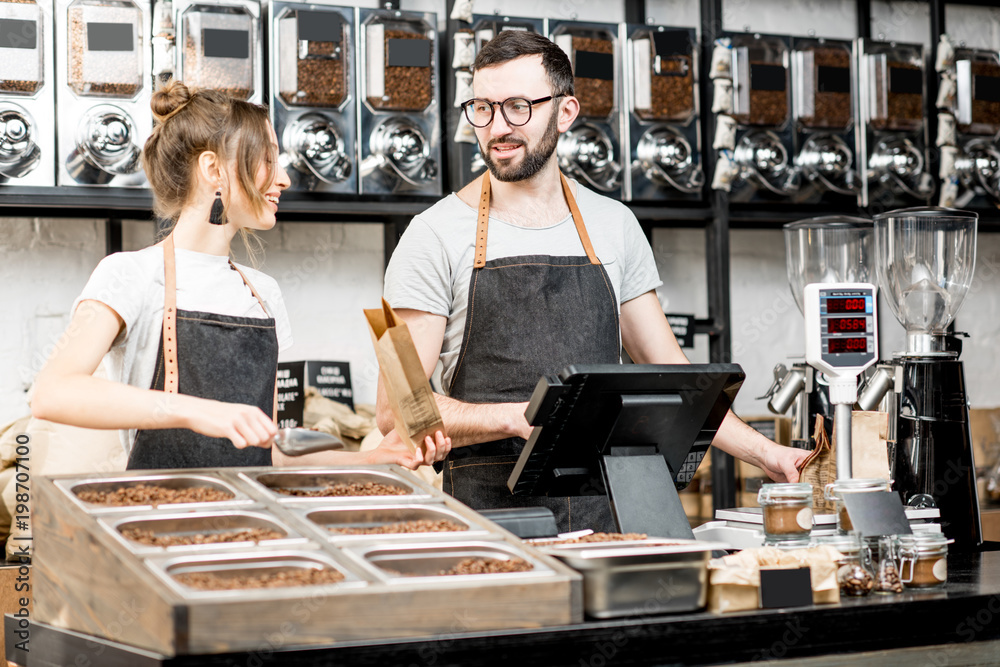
[(131, 284)]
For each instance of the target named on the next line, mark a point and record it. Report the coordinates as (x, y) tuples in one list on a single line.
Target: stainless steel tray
[(268, 480), (173, 480), (417, 563), (639, 578), (326, 518), (251, 563), (192, 523)]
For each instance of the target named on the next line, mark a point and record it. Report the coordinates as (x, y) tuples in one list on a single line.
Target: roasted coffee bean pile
[(888, 579), (830, 109), (208, 581), (905, 110), (487, 566), (672, 91), (984, 112), (12, 86), (235, 81), (168, 540), (602, 537), (150, 494), (597, 96), (767, 107), (320, 80), (120, 76), (418, 526), (342, 489), (855, 581), (406, 88)]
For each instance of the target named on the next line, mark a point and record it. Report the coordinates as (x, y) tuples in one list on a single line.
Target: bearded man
[(524, 272)]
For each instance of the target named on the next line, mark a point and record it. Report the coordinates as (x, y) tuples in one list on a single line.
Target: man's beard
[(533, 160)]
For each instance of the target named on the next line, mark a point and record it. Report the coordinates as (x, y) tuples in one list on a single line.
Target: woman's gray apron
[(528, 316), (220, 357)]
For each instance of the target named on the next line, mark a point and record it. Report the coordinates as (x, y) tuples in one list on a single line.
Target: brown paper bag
[(869, 449), (819, 469), (409, 392)]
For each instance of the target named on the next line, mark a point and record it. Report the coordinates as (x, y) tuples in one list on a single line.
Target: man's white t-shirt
[(131, 284), (431, 266)]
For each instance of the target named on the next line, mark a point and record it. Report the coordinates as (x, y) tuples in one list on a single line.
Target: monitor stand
[(643, 496)]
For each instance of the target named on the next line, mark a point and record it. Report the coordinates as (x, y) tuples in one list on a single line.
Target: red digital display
[(847, 325), (852, 344), (848, 305)]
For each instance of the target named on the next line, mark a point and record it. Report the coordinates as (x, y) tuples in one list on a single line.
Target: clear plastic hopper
[(925, 258), (828, 249)]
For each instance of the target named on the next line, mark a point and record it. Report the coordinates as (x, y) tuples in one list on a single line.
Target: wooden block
[(15, 589), (985, 427)]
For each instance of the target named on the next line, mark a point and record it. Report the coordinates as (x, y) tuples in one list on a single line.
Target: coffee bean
[(406, 88), (830, 109), (150, 494), (597, 96), (214, 581)]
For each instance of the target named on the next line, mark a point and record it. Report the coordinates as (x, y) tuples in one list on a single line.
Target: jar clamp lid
[(784, 492)]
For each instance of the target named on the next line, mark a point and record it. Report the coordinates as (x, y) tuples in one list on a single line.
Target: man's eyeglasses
[(515, 110)]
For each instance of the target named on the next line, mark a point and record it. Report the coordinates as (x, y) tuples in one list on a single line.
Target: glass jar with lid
[(787, 510), (855, 574), (923, 560), (835, 492)]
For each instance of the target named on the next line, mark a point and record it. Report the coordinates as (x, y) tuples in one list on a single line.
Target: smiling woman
[(191, 338)]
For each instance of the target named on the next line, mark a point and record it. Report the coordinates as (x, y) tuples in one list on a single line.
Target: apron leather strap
[(252, 290), (482, 224), (578, 221), (169, 317)]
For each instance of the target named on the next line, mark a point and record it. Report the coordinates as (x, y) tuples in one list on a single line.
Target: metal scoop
[(299, 441)]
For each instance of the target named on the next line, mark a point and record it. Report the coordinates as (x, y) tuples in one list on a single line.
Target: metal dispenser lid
[(108, 138), (19, 153), (827, 249)]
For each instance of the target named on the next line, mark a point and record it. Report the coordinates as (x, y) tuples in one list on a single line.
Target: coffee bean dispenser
[(27, 140), (977, 126), (662, 126), (468, 161), (219, 46), (590, 150), (312, 94), (823, 108), (103, 91), (893, 141), (400, 136), (762, 111)]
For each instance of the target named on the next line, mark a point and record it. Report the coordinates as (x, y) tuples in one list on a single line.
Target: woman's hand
[(394, 450), (782, 463), (244, 425)]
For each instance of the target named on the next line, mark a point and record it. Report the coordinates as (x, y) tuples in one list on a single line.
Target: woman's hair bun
[(169, 99)]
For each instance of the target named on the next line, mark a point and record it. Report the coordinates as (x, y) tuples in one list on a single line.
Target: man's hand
[(394, 450), (782, 463)]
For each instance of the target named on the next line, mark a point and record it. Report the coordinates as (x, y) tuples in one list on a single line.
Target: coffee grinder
[(827, 249), (925, 259)]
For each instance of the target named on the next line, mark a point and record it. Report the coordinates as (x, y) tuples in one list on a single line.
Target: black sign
[(332, 379), (110, 36), (409, 53), (785, 588), (683, 327), (320, 26), (877, 513), (291, 394), (986, 88), (593, 65), (672, 43), (225, 43), (833, 79), (906, 81), (18, 34), (767, 77)]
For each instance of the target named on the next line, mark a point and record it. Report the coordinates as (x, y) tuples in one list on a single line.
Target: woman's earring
[(215, 217)]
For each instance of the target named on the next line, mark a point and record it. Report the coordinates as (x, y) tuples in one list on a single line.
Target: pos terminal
[(634, 432)]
